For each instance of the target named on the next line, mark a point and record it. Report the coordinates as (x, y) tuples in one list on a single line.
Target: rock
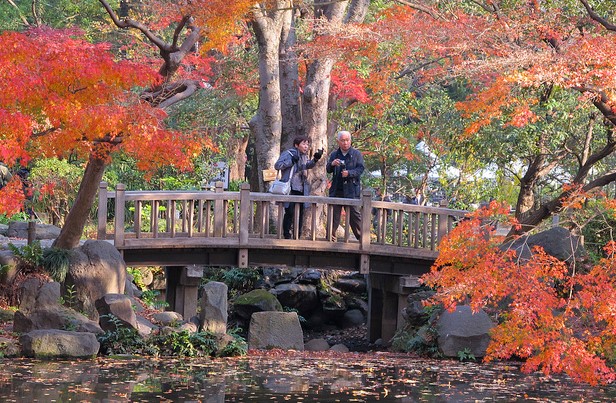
[(28, 292), (7, 260), (353, 318), (168, 318), (189, 327), (302, 297), (19, 229), (147, 277), (58, 344), (556, 241), (356, 286), (9, 347), (341, 348), (213, 314), (310, 276), (277, 275), (120, 307), (414, 312), (96, 269), (258, 300), (463, 329), (275, 330), (316, 345), (358, 303), (54, 317), (40, 309), (145, 327)]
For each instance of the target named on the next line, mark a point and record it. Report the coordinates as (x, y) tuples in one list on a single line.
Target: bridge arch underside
[(390, 278), (229, 257)]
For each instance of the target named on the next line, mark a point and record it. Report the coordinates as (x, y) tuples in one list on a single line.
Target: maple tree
[(532, 67), (542, 76), (79, 102), (554, 315)]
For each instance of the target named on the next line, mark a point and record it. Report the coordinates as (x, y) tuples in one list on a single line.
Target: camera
[(342, 164)]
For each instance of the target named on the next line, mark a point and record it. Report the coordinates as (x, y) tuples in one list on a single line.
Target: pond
[(275, 376)]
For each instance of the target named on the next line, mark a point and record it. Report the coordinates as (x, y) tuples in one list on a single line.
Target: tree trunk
[(266, 125), (237, 150), (71, 232), (315, 102), (289, 84)]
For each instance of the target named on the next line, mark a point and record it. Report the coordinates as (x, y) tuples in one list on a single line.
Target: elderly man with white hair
[(346, 164)]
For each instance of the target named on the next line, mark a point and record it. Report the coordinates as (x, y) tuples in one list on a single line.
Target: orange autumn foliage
[(65, 96), (12, 197), (218, 19), (557, 317)]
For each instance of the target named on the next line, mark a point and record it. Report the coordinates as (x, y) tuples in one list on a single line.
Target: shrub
[(56, 262)]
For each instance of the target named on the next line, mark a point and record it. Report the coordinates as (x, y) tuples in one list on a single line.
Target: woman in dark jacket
[(297, 158)]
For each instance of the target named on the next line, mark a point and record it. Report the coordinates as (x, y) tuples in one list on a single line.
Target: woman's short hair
[(300, 139)]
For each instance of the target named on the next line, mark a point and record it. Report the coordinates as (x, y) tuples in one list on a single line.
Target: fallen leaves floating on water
[(277, 375)]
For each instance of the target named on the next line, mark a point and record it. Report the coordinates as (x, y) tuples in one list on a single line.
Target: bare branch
[(432, 13), (21, 16), (172, 93), (601, 102), (593, 14), (128, 23)]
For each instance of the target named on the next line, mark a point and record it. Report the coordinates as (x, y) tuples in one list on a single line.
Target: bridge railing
[(143, 219)]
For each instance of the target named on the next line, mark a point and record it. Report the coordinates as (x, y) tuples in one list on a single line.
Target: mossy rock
[(258, 300)]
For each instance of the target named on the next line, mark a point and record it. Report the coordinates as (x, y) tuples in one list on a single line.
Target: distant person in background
[(5, 175), (346, 164), (296, 157)]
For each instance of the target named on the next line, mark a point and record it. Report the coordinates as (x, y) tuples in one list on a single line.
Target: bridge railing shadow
[(218, 218)]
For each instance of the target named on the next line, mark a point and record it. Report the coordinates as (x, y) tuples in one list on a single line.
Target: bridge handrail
[(190, 218)]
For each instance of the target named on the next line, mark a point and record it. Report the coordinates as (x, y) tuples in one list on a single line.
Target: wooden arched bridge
[(180, 229)]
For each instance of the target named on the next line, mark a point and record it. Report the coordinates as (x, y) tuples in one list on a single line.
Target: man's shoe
[(287, 236)]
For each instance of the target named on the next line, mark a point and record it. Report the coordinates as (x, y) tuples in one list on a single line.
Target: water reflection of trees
[(277, 377)]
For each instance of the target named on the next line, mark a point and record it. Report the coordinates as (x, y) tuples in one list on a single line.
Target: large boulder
[(557, 242), (58, 344), (40, 308), (213, 315), (269, 330), (54, 317), (462, 329), (96, 269)]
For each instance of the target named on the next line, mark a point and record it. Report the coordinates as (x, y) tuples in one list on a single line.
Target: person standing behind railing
[(346, 164), (296, 156)]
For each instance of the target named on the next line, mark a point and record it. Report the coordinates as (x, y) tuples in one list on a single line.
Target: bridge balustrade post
[(443, 222), (219, 213), (245, 206), (366, 220), (120, 210), (101, 233)]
